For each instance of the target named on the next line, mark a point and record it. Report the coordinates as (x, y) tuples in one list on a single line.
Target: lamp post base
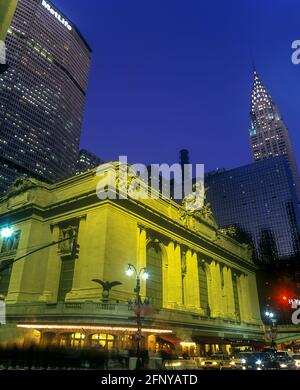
[(139, 364)]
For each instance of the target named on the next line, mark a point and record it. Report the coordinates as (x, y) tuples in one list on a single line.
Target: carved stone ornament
[(195, 201), (23, 184), (229, 231), (124, 179)]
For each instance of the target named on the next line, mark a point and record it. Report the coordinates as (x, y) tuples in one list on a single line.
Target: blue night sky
[(173, 74)]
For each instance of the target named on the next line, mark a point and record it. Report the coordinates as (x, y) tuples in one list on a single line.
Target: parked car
[(238, 361), (296, 357), (257, 361), (198, 360), (180, 364), (284, 353), (216, 362), (285, 361)]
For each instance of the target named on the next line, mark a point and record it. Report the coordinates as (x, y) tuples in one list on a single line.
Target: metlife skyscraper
[(42, 94)]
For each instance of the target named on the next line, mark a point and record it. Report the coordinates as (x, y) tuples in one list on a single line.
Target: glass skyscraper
[(260, 198), (269, 135), (42, 94), (87, 161)]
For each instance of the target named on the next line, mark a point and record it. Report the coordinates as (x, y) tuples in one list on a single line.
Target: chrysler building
[(269, 135)]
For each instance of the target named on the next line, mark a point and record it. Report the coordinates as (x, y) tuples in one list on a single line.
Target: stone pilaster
[(192, 297), (254, 301), (174, 275), (15, 285), (219, 289), (244, 298), (228, 305), (215, 290), (247, 310), (53, 270), (230, 294), (195, 271), (28, 274), (82, 279), (142, 254)]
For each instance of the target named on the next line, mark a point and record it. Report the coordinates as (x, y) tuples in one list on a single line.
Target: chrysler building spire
[(269, 135)]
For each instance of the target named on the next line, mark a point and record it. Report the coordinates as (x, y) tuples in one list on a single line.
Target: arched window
[(154, 289), (48, 338), (104, 340), (77, 340)]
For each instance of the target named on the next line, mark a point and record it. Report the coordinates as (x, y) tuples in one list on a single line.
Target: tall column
[(53, 270), (240, 297), (191, 287), (215, 290), (83, 275), (28, 275), (247, 317), (224, 303), (195, 272), (244, 298), (228, 295), (18, 268), (165, 280), (220, 295), (254, 302), (142, 254), (208, 273), (174, 275)]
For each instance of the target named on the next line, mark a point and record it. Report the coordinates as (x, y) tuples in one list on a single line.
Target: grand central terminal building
[(201, 294)]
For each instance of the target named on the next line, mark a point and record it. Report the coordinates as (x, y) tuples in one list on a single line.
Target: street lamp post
[(271, 316), (141, 274), (7, 232)]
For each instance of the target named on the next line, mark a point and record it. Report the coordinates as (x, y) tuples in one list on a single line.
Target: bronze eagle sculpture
[(106, 287)]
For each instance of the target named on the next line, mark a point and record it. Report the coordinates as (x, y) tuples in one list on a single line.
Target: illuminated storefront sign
[(90, 328), (57, 15)]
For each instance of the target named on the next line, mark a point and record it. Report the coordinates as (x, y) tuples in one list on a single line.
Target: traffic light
[(286, 297)]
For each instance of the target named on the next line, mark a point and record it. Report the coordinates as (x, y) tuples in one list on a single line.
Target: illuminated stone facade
[(202, 285)]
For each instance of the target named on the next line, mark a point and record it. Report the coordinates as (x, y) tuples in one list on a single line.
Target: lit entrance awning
[(170, 339), (210, 340), (70, 328), (287, 338)]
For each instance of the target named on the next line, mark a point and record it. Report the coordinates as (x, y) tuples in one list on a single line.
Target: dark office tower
[(186, 170), (87, 160), (269, 135), (184, 157), (42, 94), (260, 199)]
